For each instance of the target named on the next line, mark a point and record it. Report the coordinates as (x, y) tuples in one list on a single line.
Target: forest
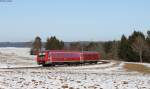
[(134, 48)]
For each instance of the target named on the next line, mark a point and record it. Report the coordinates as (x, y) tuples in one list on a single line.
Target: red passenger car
[(66, 57)]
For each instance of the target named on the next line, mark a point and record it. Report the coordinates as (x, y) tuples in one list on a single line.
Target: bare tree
[(139, 45), (37, 44), (114, 50)]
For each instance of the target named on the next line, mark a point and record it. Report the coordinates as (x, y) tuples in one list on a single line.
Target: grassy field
[(137, 67)]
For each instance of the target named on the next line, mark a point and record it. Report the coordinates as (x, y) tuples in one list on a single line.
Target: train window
[(41, 54), (49, 54)]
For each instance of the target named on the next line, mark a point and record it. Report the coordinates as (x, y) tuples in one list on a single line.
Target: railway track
[(56, 66)]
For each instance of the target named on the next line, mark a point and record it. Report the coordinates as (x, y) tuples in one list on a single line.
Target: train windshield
[(41, 54)]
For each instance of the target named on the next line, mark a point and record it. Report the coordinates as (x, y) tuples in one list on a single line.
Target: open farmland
[(18, 70)]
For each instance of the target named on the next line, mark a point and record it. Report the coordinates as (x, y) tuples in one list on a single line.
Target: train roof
[(69, 51)]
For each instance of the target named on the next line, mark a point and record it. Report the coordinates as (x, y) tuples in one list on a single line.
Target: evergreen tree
[(134, 35), (47, 44), (146, 54), (108, 46), (54, 44), (134, 56), (134, 48), (148, 38), (125, 50)]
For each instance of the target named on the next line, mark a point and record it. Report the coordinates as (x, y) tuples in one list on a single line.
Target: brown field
[(137, 67)]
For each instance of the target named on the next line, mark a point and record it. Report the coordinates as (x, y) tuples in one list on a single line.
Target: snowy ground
[(16, 57), (99, 76)]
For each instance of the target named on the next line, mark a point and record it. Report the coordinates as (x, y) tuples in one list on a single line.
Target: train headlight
[(42, 54)]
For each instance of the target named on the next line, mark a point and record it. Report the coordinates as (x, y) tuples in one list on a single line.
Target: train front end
[(41, 58)]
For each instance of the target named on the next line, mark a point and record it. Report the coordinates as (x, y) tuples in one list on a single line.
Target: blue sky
[(72, 20)]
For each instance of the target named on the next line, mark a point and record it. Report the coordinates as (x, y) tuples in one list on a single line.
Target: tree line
[(52, 43), (135, 47)]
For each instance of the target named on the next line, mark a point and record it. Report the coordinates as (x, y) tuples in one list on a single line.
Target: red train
[(52, 57)]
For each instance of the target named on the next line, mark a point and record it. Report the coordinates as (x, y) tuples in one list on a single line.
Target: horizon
[(86, 20)]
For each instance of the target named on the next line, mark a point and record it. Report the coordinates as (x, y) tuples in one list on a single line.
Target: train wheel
[(69, 64), (90, 62), (44, 65), (95, 62)]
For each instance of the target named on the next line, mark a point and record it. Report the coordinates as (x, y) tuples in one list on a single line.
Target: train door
[(50, 57), (81, 58)]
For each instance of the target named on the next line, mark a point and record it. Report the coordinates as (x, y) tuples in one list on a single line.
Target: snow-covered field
[(16, 57), (99, 76)]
